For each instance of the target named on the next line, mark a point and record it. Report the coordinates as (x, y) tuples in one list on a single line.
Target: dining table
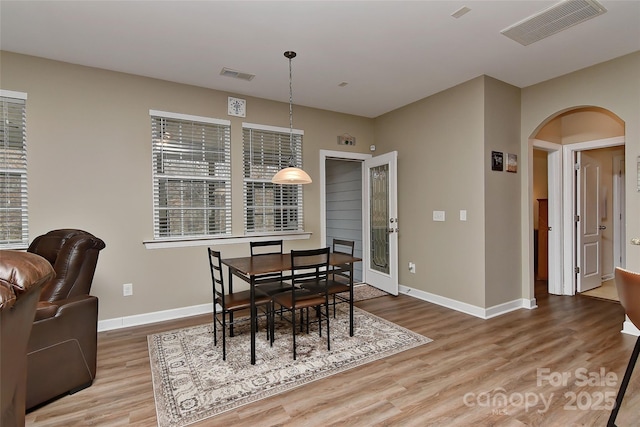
[(250, 268)]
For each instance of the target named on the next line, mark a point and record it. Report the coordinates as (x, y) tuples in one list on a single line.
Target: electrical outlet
[(438, 215), (127, 289)]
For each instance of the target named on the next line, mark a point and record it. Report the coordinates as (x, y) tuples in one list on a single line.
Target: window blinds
[(191, 175), (270, 207), (14, 229)]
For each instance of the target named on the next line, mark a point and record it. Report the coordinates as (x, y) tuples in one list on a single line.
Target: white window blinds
[(14, 229), (191, 175), (270, 207)]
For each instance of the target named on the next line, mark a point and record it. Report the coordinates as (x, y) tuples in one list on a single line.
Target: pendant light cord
[(290, 54)]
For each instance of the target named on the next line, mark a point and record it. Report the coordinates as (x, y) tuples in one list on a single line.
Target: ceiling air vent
[(550, 21), (228, 72)]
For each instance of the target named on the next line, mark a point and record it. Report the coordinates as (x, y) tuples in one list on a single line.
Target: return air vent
[(550, 21), (228, 72)]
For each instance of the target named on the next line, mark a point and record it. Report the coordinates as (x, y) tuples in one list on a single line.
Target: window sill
[(226, 240)]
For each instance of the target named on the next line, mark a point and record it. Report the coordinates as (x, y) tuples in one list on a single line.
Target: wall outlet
[(412, 267), (127, 289), (438, 215)]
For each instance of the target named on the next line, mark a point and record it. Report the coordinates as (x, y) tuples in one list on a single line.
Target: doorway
[(558, 142), (377, 220)]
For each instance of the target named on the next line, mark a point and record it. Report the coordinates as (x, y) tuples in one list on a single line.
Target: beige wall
[(502, 190), (612, 85), (440, 144), (89, 154), (580, 125)]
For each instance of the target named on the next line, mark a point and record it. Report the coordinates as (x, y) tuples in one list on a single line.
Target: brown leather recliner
[(21, 278), (61, 355)]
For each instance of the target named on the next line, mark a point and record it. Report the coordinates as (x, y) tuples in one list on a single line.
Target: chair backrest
[(217, 279), (310, 265), (74, 256), (266, 248), (628, 285), (341, 246)]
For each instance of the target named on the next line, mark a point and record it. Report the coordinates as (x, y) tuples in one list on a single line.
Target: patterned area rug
[(363, 292), (191, 382)]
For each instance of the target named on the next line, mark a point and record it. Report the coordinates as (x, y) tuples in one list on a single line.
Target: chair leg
[(215, 327), (328, 333), (293, 327), (625, 383), (224, 335)]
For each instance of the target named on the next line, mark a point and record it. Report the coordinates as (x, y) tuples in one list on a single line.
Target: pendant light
[(291, 174)]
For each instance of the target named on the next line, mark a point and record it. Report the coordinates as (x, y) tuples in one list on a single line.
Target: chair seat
[(241, 300), (272, 288), (304, 298), (334, 287)]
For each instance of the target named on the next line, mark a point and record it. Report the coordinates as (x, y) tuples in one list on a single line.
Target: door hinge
[(576, 270), (576, 218), (577, 166)]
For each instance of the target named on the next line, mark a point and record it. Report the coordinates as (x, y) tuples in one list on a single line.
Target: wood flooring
[(553, 365)]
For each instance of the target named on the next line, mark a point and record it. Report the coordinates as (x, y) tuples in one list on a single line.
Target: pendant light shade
[(291, 174)]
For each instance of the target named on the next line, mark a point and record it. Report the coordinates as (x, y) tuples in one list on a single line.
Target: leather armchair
[(21, 278), (62, 348)]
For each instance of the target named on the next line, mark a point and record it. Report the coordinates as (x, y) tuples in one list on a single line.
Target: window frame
[(19, 168), (219, 178)]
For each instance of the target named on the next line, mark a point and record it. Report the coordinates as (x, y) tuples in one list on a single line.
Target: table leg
[(252, 309)]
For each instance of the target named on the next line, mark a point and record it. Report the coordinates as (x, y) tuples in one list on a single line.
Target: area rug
[(191, 382), (363, 292)]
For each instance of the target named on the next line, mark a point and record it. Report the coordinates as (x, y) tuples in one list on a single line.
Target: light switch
[(438, 215), (463, 215)]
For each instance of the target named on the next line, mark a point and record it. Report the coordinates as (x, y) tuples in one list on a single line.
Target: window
[(191, 175), (14, 229), (270, 207)]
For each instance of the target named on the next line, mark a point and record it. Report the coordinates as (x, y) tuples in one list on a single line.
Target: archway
[(561, 136)]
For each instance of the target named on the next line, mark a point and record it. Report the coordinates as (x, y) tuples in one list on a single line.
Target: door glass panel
[(379, 196)]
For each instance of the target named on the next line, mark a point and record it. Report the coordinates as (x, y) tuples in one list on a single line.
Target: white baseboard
[(630, 328), (483, 313), (153, 317)]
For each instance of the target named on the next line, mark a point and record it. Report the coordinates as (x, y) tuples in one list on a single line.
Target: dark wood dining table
[(249, 268)]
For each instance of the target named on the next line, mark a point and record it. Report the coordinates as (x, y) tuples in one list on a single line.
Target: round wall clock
[(237, 107)]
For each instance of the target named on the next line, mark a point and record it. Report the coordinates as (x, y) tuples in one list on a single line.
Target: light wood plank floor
[(425, 386)]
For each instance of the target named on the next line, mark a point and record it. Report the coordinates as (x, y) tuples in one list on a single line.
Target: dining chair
[(340, 277), (306, 266), (628, 286), (269, 283), (231, 302)]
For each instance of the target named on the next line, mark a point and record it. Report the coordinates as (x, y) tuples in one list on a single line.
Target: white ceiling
[(390, 53)]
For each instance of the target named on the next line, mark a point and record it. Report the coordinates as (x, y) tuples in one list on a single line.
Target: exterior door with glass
[(380, 267)]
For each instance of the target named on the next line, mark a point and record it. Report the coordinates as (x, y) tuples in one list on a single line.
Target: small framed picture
[(512, 163), (497, 161)]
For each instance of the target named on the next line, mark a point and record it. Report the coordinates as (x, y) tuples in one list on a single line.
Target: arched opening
[(556, 145)]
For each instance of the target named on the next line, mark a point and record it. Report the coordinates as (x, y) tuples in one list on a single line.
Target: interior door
[(588, 225), (380, 267)]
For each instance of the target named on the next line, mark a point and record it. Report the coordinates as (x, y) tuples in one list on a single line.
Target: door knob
[(602, 227)]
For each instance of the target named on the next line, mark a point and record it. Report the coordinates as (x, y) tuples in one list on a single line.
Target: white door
[(588, 225), (380, 260)]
